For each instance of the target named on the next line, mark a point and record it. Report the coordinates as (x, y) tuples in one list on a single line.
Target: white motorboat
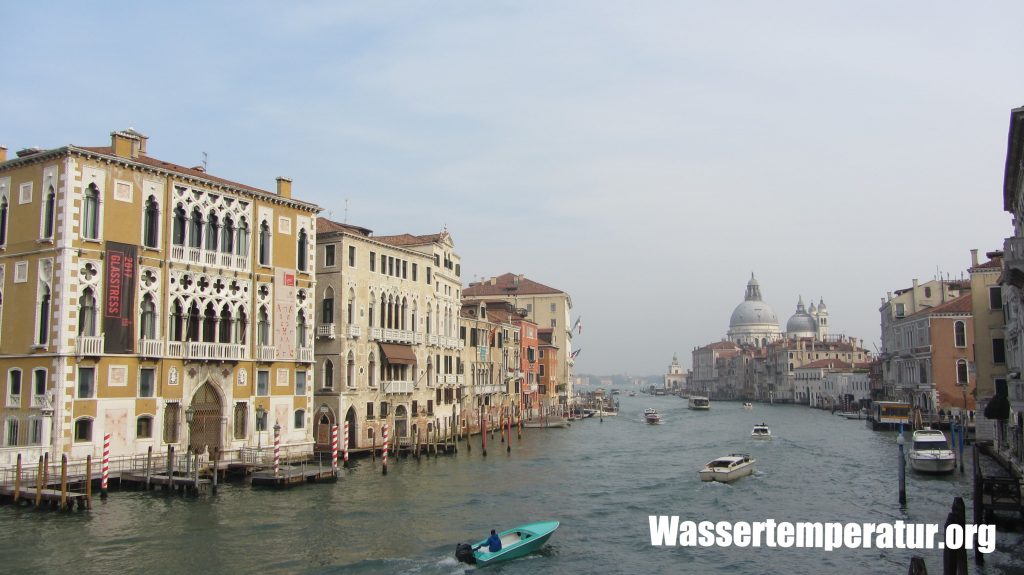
[(761, 432), (699, 402), (651, 415), (748, 406), (855, 414), (729, 468), (930, 452)]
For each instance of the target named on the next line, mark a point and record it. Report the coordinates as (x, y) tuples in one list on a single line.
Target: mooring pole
[(902, 470)]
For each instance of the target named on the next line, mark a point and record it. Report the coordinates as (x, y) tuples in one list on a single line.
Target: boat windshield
[(930, 444)]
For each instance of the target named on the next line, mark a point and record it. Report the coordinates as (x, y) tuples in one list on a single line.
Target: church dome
[(801, 323), (752, 311)]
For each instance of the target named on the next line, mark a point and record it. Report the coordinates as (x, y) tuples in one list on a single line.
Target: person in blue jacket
[(493, 543)]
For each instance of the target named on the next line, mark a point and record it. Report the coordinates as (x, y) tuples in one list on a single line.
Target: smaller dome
[(802, 322), (821, 306)]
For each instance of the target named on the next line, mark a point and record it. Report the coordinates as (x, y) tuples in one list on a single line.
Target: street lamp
[(190, 416)]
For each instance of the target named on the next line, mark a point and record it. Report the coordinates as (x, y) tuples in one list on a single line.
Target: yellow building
[(151, 302)]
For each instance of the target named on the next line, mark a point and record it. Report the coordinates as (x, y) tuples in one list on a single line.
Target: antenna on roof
[(204, 163)]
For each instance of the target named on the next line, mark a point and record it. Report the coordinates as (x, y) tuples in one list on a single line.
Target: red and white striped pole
[(345, 448), (106, 466), (334, 448), (277, 449), (384, 453)]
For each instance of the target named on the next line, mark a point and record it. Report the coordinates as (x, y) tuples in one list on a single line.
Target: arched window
[(300, 419), (177, 321), (227, 241), (151, 223), (144, 427), (44, 316), (372, 372), (242, 245), (959, 334), (300, 329), (264, 243), (147, 321), (328, 374), (212, 224), (303, 256), (87, 313), (180, 223), (49, 213), (327, 307), (241, 327), (961, 372), (3, 220), (83, 429), (195, 230), (91, 213), (922, 372), (262, 327), (224, 329), (209, 324), (192, 323)]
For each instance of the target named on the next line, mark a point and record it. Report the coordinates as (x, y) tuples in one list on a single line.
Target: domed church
[(753, 322)]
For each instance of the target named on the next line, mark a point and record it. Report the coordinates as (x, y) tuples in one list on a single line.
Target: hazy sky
[(645, 157)]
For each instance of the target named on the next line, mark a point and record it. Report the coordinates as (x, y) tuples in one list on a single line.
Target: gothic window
[(209, 323), (264, 243), (262, 327), (147, 321), (224, 329), (241, 327), (961, 372), (300, 330), (242, 245), (195, 230), (177, 321), (44, 315), (350, 370), (87, 313), (327, 308), (49, 214), (91, 213), (151, 223), (328, 374), (212, 224), (959, 334), (180, 224), (227, 242), (192, 323), (303, 255)]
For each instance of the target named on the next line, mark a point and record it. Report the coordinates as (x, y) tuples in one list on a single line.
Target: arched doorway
[(401, 422), (353, 429), (204, 431), (322, 430)]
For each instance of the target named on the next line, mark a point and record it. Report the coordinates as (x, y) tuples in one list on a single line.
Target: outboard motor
[(464, 553)]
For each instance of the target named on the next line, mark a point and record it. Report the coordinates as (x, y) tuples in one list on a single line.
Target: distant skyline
[(644, 158)]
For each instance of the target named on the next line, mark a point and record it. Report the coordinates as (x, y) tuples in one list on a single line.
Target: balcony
[(13, 401), (209, 258), (354, 331), (392, 335), (209, 351), (325, 330), (175, 348), (89, 345), (432, 339), (151, 348), (266, 353), (396, 386), (306, 354)]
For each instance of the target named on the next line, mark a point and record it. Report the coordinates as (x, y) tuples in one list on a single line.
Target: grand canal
[(601, 480)]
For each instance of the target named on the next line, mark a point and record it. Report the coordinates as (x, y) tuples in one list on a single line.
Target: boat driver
[(493, 543)]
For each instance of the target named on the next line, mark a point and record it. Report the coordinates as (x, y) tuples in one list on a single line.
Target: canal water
[(600, 480)]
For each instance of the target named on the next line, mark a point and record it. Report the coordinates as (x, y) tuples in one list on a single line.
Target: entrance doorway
[(204, 432)]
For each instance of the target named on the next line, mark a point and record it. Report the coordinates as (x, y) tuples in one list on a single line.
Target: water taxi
[(728, 469), (699, 402), (930, 453), (651, 415), (515, 543), (761, 432), (748, 406)]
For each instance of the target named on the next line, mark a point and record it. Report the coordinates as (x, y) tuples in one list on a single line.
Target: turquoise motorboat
[(516, 542)]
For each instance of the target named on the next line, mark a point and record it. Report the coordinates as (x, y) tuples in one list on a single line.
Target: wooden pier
[(292, 476)]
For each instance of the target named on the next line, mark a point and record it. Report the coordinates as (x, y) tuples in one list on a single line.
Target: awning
[(396, 353)]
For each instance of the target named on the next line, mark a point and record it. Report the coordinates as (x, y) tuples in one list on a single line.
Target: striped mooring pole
[(277, 449), (106, 466), (334, 448), (346, 445), (384, 451)]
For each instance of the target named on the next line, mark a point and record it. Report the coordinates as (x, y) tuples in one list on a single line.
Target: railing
[(306, 354), (396, 386), (214, 351), (266, 353), (13, 401), (211, 258), (325, 330), (354, 331), (393, 335), (419, 339), (89, 344), (151, 347), (175, 348), (432, 339)]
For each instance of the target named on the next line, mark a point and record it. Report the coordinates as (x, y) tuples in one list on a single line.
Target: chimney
[(974, 258), (494, 281), (284, 187), (3, 153), (128, 143)]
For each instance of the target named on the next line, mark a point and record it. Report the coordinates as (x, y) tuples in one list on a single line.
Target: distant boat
[(632, 394), (761, 432), (855, 414), (651, 415), (748, 406), (729, 468), (699, 403), (517, 542), (930, 453)]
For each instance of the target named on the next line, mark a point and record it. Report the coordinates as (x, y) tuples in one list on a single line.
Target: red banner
[(119, 298)]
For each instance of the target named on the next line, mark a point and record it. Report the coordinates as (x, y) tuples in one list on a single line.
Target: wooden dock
[(51, 497), (292, 476)]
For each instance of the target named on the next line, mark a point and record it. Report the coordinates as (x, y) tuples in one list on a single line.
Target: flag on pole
[(575, 353), (578, 326)]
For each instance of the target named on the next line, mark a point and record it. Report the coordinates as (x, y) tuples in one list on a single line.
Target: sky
[(643, 157)]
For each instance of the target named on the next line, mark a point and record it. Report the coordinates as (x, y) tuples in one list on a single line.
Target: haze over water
[(600, 480)]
